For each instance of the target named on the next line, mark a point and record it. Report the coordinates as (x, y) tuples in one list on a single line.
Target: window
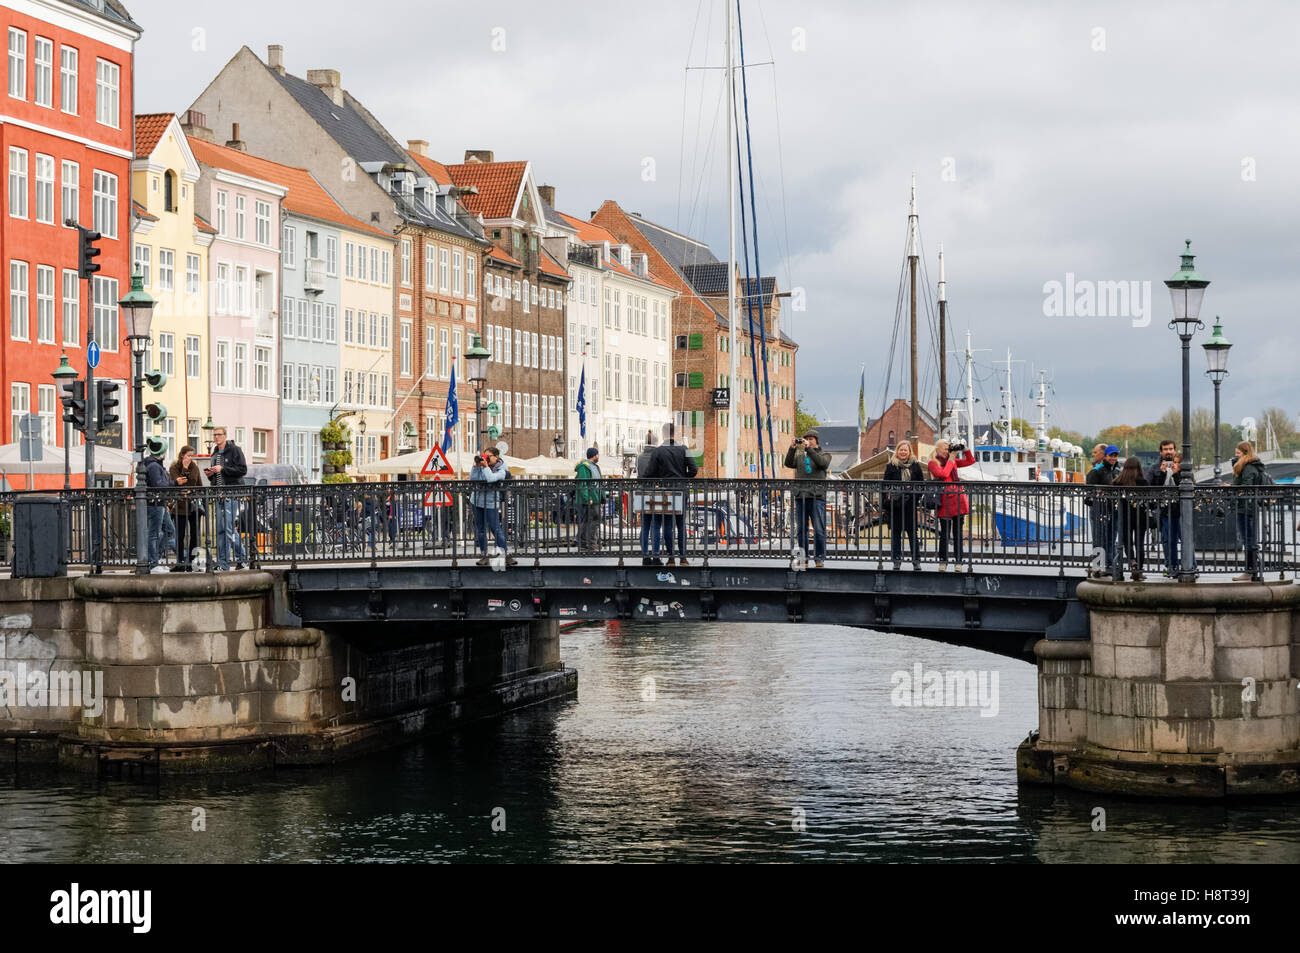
[(240, 366), (385, 267), (331, 323), (142, 263), (20, 399), (262, 215), (471, 274), (374, 264), (374, 329), (240, 207), (374, 390), (288, 247), (19, 318), (430, 351), (535, 289), (191, 356), (104, 219), (259, 442), (71, 309), (405, 356), (428, 267), (286, 381), (349, 260), (609, 307), (573, 338), (456, 361), (331, 256), (516, 294), (192, 274), (457, 288), (302, 320), (444, 271), (526, 297), (303, 389), (679, 380), (17, 66), (17, 182), (533, 336), (44, 304), (43, 63), (347, 387), (167, 353), (317, 321), (444, 365), (286, 318), (505, 410), (166, 269), (361, 264), (71, 190), (45, 189), (262, 369), (107, 314), (223, 288), (241, 289), (406, 262), (68, 79), (331, 385), (223, 202), (46, 399), (106, 100)]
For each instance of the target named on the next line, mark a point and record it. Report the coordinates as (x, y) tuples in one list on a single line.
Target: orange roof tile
[(593, 234), (434, 168), (498, 254), (305, 196), (142, 212), (549, 266), (149, 128), (203, 226), (498, 186)]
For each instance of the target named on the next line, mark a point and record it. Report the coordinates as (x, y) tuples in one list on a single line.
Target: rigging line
[(681, 149), (749, 304), (762, 327), (780, 150), (695, 157)]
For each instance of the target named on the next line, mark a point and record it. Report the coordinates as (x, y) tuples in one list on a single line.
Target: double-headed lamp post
[(1186, 291), (1216, 356), (62, 374), (137, 308), (476, 362)]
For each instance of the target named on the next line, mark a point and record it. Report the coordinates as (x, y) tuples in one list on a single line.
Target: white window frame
[(43, 93), (108, 79), (68, 79), (104, 195), (18, 182), (17, 63)]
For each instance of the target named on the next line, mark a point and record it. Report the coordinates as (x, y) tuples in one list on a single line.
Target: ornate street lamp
[(1216, 356), (476, 363), (62, 374), (1186, 292), (137, 310), (207, 428), (558, 444)]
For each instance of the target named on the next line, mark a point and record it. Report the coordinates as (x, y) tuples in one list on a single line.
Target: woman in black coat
[(1133, 516), (901, 503)]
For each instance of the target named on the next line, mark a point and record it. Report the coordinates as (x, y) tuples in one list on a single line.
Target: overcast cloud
[(1066, 158)]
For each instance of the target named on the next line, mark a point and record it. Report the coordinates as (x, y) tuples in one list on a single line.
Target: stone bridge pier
[(1183, 691)]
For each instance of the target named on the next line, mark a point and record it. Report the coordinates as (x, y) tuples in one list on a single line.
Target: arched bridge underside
[(1004, 612)]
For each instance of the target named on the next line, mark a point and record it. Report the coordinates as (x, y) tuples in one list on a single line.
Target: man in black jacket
[(1105, 461), (1170, 472), (670, 461), (227, 469)]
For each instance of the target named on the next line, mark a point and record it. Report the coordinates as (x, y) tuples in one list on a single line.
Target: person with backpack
[(953, 502), (901, 503), (156, 477), (1248, 470)]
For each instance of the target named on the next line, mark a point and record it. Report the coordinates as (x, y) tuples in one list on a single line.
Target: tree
[(1275, 424), (803, 421)]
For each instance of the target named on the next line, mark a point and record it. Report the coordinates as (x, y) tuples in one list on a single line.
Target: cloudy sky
[(1047, 138)]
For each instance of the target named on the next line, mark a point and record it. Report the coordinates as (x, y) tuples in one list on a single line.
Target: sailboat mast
[(733, 330), (970, 395), (912, 245), (943, 342), (1008, 393)]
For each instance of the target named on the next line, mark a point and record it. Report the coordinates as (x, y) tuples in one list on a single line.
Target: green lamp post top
[(1186, 276), (1217, 340), (137, 297), (64, 371)]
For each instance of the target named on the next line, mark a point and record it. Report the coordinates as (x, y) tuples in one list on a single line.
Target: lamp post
[(476, 362), (62, 374), (1216, 356), (1186, 291), (361, 439), (558, 444), (137, 308), (207, 428)]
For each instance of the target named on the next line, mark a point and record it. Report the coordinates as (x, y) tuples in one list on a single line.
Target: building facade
[(65, 133)]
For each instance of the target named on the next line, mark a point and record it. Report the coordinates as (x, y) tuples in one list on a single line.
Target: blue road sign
[(92, 355)]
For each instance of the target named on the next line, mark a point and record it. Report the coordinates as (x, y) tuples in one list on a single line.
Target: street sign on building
[(721, 398)]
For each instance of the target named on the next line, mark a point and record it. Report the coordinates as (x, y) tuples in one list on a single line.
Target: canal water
[(687, 742)]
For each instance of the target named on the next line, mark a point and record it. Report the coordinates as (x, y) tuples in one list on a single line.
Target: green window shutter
[(697, 418), (698, 457), (696, 343), (697, 380)]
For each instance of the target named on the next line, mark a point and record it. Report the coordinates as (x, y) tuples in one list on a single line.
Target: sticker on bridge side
[(437, 464), (514, 605), (666, 577), (16, 622), (496, 604), (568, 612), (586, 580)]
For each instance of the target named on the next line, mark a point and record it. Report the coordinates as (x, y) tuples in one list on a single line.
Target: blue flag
[(453, 412), (582, 406)]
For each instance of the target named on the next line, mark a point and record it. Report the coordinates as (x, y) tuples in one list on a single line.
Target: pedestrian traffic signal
[(105, 405), (155, 411), (86, 264), (74, 403), (155, 379)]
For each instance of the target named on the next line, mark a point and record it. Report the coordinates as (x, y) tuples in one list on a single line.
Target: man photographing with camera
[(810, 464)]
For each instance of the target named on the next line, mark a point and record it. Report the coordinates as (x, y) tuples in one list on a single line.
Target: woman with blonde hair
[(900, 504), (1248, 470)]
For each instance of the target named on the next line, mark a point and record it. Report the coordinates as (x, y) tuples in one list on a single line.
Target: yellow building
[(170, 249), (368, 341)]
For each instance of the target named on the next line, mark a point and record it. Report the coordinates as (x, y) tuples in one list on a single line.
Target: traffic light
[(86, 264), (74, 399), (105, 404), (157, 380)]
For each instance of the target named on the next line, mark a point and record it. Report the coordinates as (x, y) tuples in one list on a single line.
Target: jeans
[(228, 538), (814, 510), (157, 539), (652, 527), (487, 518), (1103, 531), (1248, 536), (902, 519), (1171, 534), (168, 535), (950, 525), (674, 524), (588, 526), (187, 535)]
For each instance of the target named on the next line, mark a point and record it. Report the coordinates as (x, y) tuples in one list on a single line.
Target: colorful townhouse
[(65, 133), (244, 268), (633, 309), (368, 341), (171, 245), (439, 245)]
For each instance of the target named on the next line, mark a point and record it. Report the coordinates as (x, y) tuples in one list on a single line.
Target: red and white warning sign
[(437, 497), (437, 464)]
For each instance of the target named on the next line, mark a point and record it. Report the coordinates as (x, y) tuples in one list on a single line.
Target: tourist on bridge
[(185, 473), (649, 504), (228, 469), (1133, 517), (1169, 472), (1105, 460), (1248, 470), (810, 464), (589, 498), (155, 477), (953, 503), (488, 470), (672, 461), (901, 503)]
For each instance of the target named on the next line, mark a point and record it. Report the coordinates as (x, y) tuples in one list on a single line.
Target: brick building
[(885, 432)]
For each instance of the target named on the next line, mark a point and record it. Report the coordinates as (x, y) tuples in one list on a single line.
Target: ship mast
[(970, 395), (943, 342), (733, 451), (912, 254)]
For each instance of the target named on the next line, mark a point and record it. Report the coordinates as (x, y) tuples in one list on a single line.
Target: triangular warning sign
[(437, 464), (437, 497)]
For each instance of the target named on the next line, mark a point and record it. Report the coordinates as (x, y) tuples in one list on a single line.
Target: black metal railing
[(1053, 526)]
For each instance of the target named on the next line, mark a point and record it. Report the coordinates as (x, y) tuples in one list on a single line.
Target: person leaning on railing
[(810, 464), (671, 461), (953, 503), (185, 473), (901, 503), (485, 498), (1105, 464), (156, 478), (1248, 470), (1133, 517), (589, 497)]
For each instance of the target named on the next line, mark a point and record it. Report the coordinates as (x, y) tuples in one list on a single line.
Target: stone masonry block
[(1189, 647), (1134, 661)]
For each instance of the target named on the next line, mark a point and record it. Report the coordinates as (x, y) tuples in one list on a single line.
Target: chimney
[(275, 57), (195, 125), (418, 147), (329, 81), (547, 192), (234, 142), (478, 155), (642, 264)]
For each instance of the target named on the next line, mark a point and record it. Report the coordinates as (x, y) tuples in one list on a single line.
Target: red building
[(66, 138)]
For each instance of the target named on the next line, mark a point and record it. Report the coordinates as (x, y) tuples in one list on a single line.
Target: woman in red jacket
[(953, 504)]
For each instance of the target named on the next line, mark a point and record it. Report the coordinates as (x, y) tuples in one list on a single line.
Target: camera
[(478, 459), (957, 447), (798, 441)]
